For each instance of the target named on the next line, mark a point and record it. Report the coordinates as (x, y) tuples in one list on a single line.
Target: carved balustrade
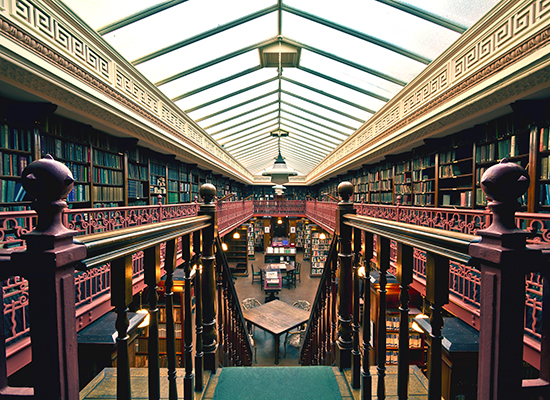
[(322, 213), (279, 208), (233, 213)]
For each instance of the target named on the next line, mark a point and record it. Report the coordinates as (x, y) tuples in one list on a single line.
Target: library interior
[(275, 199)]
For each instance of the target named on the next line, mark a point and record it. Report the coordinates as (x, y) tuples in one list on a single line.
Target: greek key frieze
[(55, 31), (135, 91)]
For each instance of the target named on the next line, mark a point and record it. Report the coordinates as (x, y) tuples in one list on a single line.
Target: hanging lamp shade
[(279, 171), (279, 189)]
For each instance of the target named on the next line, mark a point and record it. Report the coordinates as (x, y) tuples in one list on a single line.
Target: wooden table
[(269, 287), (276, 317), (282, 266)]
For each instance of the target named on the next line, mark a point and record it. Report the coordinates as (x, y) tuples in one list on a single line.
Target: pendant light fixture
[(279, 172)]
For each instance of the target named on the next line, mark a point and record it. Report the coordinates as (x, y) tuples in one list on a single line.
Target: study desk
[(272, 285), (276, 317)]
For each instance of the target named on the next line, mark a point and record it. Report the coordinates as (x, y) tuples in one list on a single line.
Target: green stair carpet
[(277, 383)]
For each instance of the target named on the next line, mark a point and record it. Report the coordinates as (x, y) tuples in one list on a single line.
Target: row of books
[(173, 186), (173, 198), (108, 193), (107, 159), (402, 189), (401, 168), (138, 172), (423, 199), (463, 199), (381, 197), (15, 139), (422, 187), (173, 174), (381, 175), (11, 191), (136, 189), (423, 162), (13, 164), (415, 340), (157, 169), (62, 149), (421, 175), (381, 185), (449, 171), (137, 155), (79, 193), (108, 176), (544, 139), (447, 156), (545, 167), (402, 178), (157, 180), (81, 172)]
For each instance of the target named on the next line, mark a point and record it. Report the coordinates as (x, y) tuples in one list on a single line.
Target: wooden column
[(208, 289), (49, 264), (345, 277), (504, 259), (151, 265)]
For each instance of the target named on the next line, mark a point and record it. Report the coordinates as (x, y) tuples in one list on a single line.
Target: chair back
[(250, 302)]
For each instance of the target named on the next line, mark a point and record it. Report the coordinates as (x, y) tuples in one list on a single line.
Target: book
[(446, 200)]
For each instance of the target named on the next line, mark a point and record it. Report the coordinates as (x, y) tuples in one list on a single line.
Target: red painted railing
[(278, 208), (233, 213)]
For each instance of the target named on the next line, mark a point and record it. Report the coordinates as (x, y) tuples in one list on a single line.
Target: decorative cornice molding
[(55, 41), (475, 58)]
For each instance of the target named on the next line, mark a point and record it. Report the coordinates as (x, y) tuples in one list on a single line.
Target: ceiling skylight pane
[(224, 138), (239, 122), (248, 95), (351, 48), (333, 88), (235, 111), (99, 13), (463, 12), (299, 120), (319, 110), (174, 24), (211, 74), (302, 130), (289, 108), (210, 48), (228, 87), (349, 74), (327, 101), (390, 25), (254, 120), (252, 141)]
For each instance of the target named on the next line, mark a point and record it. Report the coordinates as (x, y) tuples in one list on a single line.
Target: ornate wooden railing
[(233, 213), (52, 290), (501, 254), (235, 346), (279, 208), (319, 341)]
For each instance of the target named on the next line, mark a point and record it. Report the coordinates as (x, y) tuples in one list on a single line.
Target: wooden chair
[(289, 278), (297, 269), (257, 276), (295, 338), (247, 304)]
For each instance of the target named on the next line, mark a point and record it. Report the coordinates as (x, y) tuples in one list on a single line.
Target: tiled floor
[(304, 290)]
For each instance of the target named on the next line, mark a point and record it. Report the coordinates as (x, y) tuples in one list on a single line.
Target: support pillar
[(345, 277), (208, 289)]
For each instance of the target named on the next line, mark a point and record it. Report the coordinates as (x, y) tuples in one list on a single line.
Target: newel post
[(49, 265), (208, 278), (504, 260), (345, 277)]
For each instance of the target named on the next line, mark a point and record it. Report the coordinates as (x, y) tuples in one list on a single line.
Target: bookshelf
[(455, 178), (319, 251), (403, 182), (157, 180), (423, 179), (16, 146), (300, 228), (307, 242), (237, 250), (361, 185), (173, 183), (138, 177), (250, 239)]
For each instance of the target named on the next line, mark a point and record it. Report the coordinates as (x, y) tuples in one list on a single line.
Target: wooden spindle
[(366, 378), (187, 323), (198, 312), (404, 276), (121, 297), (437, 294), (383, 254), (169, 266), (151, 261), (356, 353)]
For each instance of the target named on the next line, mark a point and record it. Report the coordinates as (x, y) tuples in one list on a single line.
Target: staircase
[(279, 383)]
